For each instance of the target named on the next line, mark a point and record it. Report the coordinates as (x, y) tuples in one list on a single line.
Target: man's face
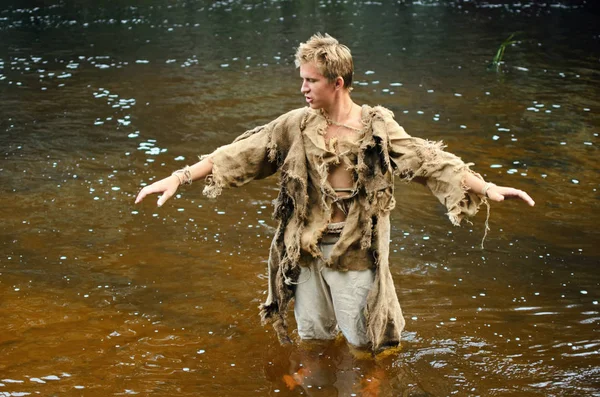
[(317, 90)]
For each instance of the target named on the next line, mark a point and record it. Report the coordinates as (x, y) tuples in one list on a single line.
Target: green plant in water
[(500, 53)]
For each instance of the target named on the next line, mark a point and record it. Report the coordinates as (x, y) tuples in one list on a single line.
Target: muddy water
[(101, 297)]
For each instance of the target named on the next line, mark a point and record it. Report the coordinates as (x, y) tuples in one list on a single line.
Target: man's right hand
[(167, 187)]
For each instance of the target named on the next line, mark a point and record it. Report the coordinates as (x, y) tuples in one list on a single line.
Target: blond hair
[(332, 58)]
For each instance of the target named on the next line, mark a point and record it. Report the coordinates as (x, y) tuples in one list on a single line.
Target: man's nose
[(304, 88)]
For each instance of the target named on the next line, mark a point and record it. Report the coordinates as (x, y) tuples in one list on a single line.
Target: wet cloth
[(328, 301), (294, 145)]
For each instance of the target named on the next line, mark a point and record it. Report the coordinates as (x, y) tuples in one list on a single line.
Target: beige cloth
[(294, 145)]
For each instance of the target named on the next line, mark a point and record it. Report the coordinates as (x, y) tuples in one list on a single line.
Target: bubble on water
[(79, 387), (583, 292), (51, 377), (201, 351), (588, 143), (115, 188), (463, 126), (224, 65), (369, 72), (495, 137), (575, 181), (396, 84), (179, 158), (496, 166), (142, 61), (185, 369)]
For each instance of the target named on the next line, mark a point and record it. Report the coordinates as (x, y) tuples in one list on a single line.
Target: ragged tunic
[(294, 144)]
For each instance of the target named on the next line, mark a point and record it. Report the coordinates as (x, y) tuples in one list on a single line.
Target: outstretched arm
[(168, 186), (494, 192)]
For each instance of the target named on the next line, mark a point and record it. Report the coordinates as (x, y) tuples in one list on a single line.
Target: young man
[(337, 163)]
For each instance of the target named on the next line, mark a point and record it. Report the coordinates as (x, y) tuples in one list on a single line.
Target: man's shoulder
[(377, 111)]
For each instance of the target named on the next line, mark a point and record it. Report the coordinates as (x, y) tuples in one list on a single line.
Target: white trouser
[(330, 300)]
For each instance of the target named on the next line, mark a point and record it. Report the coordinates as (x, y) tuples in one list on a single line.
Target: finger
[(164, 197), (523, 195), (148, 190), (141, 195), (520, 194)]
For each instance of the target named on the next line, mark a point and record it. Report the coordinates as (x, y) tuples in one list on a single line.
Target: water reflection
[(100, 297)]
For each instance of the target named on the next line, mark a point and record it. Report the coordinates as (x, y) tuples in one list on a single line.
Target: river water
[(100, 297)]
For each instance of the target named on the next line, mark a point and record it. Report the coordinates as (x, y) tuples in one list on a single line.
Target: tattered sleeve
[(250, 156), (442, 172)]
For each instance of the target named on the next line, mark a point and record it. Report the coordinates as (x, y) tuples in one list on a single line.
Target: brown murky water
[(98, 297)]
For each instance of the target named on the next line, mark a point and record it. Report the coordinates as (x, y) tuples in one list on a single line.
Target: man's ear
[(339, 82)]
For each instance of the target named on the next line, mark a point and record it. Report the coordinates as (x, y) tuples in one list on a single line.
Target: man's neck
[(341, 108)]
